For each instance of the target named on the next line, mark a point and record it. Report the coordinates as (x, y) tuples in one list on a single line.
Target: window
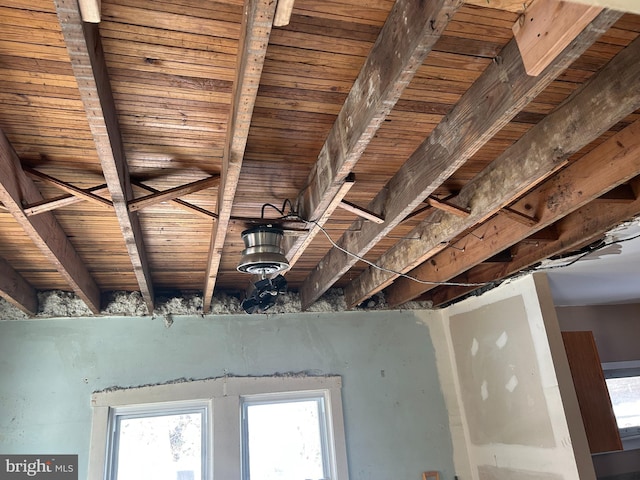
[(164, 441), (623, 383), (257, 428), (301, 447)]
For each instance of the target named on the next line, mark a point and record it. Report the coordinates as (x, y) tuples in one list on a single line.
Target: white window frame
[(326, 430), (117, 414), (223, 398), (630, 436)]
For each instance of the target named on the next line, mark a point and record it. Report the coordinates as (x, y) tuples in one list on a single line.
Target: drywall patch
[(9, 312), (497, 411)]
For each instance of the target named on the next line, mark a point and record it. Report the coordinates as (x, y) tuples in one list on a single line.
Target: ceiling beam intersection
[(89, 67), (44, 230), (582, 181), (410, 32), (585, 225), (67, 187), (173, 193), (490, 103)]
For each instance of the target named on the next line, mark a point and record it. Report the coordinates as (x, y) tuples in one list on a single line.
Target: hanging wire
[(589, 252), (388, 270), (292, 214)]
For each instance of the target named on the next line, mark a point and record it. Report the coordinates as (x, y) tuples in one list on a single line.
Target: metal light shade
[(263, 254)]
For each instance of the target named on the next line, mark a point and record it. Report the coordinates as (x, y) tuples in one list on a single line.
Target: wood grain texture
[(173, 193), (582, 227), (410, 32), (67, 187), (16, 290), (43, 230), (593, 397), (495, 97), (581, 182), (539, 153), (89, 67), (255, 32), (546, 28)]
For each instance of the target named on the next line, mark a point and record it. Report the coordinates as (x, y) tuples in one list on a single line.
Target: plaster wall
[(396, 420), (616, 328), (512, 391)]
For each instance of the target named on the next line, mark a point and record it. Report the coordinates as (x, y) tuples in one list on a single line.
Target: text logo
[(49, 467)]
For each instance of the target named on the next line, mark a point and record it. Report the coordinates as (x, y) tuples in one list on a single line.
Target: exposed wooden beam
[(448, 207), (62, 201), (90, 10), (546, 28), (361, 212), (500, 92), (587, 179), (16, 290), (189, 207), (519, 217), (630, 6), (257, 23), (587, 224), (44, 230), (173, 193), (410, 32), (517, 6), (67, 187), (612, 163), (90, 70), (283, 13)]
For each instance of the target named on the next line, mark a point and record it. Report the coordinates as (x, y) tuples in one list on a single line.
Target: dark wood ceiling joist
[(44, 230), (411, 30), (90, 70), (16, 290), (608, 97), (257, 23), (610, 164), (586, 225), (489, 104)]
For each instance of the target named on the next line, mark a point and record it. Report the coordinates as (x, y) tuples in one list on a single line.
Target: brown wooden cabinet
[(591, 389)]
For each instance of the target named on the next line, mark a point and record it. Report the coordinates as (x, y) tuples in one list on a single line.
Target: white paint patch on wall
[(502, 340), (475, 346), (512, 383), (484, 390)]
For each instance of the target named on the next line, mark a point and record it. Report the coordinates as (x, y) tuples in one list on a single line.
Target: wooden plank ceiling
[(137, 146)]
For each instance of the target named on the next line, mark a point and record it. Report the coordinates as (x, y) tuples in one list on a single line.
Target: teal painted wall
[(395, 416)]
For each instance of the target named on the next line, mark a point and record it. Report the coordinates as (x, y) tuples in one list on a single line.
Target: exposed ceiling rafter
[(16, 290), (410, 32), (545, 148), (585, 225), (89, 67), (581, 182), (256, 28), (43, 230), (491, 102)]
